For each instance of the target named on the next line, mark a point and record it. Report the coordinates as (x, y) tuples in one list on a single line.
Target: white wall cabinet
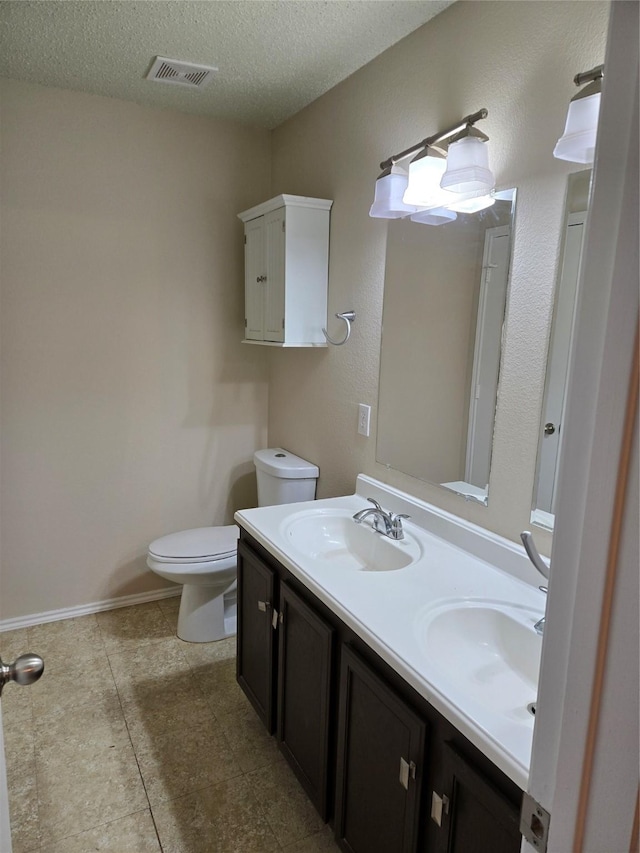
[(286, 256)]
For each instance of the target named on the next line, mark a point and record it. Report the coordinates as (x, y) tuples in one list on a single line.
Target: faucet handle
[(376, 504), (396, 524), (543, 588)]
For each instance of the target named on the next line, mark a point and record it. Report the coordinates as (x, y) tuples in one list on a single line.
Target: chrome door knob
[(24, 670), (549, 429)]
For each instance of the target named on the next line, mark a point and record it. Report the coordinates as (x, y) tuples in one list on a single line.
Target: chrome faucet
[(541, 566), (387, 523), (539, 626)]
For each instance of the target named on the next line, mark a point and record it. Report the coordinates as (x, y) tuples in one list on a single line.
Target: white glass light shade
[(425, 174), (435, 216), (387, 202), (468, 167), (578, 142), (473, 205)]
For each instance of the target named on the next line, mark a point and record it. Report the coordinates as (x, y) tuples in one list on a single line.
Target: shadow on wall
[(243, 493), (134, 578)]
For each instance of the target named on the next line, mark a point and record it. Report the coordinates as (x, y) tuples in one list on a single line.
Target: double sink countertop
[(451, 607)]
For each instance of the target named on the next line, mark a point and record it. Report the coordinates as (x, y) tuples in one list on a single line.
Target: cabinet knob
[(261, 278)]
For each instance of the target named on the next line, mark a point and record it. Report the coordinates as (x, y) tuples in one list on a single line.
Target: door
[(254, 279), (486, 357), (254, 663), (381, 745), (274, 236), (5, 829), (305, 651), (474, 817), (25, 670), (558, 368), (584, 763)]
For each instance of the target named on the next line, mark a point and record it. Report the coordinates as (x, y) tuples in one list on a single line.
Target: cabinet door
[(274, 236), (304, 694), (254, 279), (254, 667), (476, 816), (381, 746)]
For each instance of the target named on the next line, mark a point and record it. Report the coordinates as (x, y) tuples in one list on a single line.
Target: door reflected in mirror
[(445, 293), (574, 224)]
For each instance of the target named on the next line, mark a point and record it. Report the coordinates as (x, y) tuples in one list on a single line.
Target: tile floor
[(135, 742)]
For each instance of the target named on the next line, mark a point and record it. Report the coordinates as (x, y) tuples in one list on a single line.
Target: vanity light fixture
[(390, 188), (473, 205), (468, 164), (578, 142), (437, 181), (425, 173), (435, 216)]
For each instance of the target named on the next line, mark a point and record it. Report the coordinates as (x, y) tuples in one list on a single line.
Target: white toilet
[(204, 559)]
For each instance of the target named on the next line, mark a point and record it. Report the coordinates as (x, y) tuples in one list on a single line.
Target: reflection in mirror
[(444, 302), (576, 206)]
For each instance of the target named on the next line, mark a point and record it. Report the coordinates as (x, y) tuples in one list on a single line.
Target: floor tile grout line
[(44, 844), (216, 714)]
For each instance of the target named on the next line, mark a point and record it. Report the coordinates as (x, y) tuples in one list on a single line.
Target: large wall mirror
[(445, 293), (573, 230)]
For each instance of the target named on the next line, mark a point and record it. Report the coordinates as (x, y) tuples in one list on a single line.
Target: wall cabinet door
[(275, 259), (286, 271), (474, 816), (305, 652), (254, 666), (381, 752), (254, 279)]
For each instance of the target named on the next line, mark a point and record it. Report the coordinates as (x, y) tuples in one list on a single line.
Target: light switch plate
[(364, 418)]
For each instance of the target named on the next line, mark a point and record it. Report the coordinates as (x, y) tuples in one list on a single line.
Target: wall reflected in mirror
[(445, 293), (562, 328)]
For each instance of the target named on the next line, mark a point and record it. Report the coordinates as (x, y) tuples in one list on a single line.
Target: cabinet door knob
[(439, 806), (407, 771)]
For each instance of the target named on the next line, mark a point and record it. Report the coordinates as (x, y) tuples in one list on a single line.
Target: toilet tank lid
[(280, 463)]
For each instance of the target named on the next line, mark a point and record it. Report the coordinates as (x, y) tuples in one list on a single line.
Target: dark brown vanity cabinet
[(289, 679), (305, 653), (396, 776), (474, 816), (255, 670), (381, 755)]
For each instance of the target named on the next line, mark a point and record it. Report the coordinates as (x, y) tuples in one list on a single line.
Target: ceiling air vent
[(180, 73)]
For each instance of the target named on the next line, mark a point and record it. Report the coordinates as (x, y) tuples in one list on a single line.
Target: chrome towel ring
[(349, 317)]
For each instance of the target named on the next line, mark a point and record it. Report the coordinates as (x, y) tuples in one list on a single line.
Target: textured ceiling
[(274, 57)]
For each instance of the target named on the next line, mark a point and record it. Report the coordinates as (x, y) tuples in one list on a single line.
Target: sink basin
[(333, 538), (490, 648)]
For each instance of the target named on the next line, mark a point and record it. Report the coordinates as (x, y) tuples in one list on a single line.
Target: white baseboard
[(86, 609)]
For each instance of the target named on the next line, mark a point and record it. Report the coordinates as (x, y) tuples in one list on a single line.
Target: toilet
[(203, 560)]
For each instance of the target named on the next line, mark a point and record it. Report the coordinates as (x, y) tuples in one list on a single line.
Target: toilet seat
[(197, 547)]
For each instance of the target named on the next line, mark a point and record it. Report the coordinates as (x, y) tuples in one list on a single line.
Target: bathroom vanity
[(395, 675)]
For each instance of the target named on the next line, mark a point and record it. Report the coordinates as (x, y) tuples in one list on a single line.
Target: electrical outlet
[(364, 418)]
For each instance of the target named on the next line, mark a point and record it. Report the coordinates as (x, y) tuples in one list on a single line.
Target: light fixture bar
[(589, 76), (467, 121)]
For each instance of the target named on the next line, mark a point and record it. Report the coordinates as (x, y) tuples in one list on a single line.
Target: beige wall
[(517, 59), (129, 406)]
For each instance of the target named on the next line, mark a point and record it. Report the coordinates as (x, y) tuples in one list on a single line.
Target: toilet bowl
[(204, 559)]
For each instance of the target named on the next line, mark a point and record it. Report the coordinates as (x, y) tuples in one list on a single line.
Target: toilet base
[(201, 618)]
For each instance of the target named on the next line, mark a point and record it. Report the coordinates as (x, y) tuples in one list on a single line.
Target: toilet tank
[(284, 478)]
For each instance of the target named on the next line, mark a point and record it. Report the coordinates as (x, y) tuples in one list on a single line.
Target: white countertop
[(389, 610)]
